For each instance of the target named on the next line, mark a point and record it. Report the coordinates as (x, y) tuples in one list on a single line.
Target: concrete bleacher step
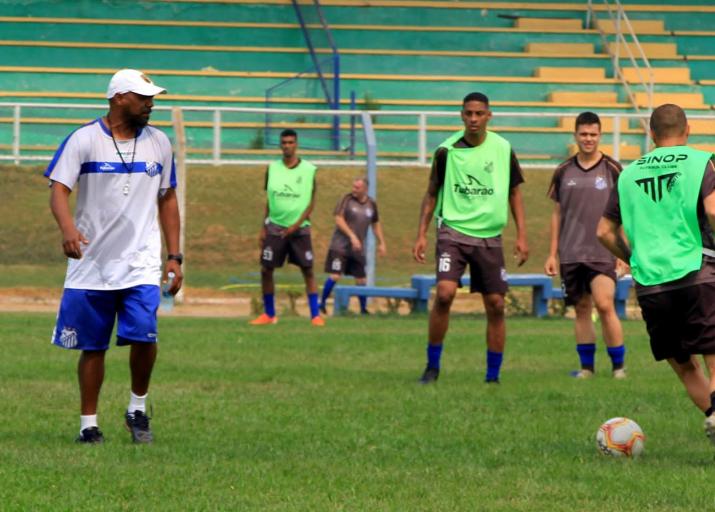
[(570, 73), (651, 50), (584, 98), (607, 124), (549, 23), (560, 48), (684, 99), (646, 27), (660, 75), (702, 127)]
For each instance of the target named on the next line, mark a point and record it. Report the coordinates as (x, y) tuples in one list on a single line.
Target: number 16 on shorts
[(445, 262)]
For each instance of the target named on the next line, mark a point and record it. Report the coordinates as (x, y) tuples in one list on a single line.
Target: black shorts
[(680, 322), (576, 278), (349, 263), (297, 247), (486, 266)]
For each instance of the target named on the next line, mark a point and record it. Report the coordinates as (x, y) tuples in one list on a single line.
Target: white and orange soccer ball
[(620, 437)]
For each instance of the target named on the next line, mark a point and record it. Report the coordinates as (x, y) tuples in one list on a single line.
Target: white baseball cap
[(132, 80)]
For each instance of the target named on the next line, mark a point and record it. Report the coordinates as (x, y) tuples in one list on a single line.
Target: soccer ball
[(620, 437)]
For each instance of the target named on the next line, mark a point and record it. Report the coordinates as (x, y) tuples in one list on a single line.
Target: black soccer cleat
[(138, 424), (90, 435), (322, 309), (429, 376), (492, 381)]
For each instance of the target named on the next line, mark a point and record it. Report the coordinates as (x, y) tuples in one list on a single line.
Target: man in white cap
[(125, 172)]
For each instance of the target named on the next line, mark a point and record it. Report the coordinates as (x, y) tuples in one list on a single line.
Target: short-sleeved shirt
[(439, 168), (358, 216), (582, 195), (706, 274), (117, 204)]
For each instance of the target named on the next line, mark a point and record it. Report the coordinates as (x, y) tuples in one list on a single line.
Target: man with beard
[(125, 172)]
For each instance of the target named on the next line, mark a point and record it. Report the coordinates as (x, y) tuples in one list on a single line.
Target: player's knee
[(604, 306), (443, 298), (494, 306)]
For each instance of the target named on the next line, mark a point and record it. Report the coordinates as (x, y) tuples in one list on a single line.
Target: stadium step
[(660, 75), (570, 73), (584, 98), (693, 100), (560, 48), (549, 23), (651, 50), (607, 124), (649, 27)]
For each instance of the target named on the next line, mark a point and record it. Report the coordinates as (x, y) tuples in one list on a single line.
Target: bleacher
[(527, 56)]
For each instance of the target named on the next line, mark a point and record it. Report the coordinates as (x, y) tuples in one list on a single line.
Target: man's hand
[(72, 241), (418, 250), (381, 249), (289, 231), (521, 251), (173, 266), (622, 268), (356, 244), (551, 266)]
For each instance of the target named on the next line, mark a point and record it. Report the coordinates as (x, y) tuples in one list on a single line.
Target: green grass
[(295, 418), (224, 213)]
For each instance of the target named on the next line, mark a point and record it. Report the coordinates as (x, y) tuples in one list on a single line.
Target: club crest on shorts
[(309, 255), (600, 183), (68, 337), (268, 254), (336, 264), (503, 274), (152, 169)]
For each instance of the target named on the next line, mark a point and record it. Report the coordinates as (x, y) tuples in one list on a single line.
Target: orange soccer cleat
[(265, 320), (317, 321)]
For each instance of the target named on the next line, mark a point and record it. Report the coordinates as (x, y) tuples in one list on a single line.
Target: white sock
[(136, 403), (87, 421)]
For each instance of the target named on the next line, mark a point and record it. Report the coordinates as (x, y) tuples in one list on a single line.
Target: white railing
[(417, 145)]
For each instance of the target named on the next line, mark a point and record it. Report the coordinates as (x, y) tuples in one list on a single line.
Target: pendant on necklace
[(125, 190)]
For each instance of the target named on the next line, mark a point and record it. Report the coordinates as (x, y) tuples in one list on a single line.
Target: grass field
[(295, 418)]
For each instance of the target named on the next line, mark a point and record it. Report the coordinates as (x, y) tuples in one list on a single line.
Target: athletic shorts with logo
[(86, 317), (576, 278), (348, 262), (486, 265), (297, 247), (680, 322)]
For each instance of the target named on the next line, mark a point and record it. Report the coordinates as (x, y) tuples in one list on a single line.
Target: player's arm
[(552, 262), (72, 239), (304, 216), (343, 226), (377, 229), (516, 203), (709, 200), (262, 232), (170, 225), (429, 202), (610, 235)]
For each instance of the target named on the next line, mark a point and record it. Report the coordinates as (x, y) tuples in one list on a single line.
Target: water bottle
[(167, 299)]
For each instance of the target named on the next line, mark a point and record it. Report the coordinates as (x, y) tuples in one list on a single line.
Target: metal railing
[(415, 136), (623, 28)]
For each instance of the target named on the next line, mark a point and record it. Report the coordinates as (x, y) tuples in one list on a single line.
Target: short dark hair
[(475, 96), (289, 132), (587, 118), (363, 179), (668, 120)]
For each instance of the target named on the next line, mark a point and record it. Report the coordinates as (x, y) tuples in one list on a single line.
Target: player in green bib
[(665, 202), (474, 182), (290, 191)]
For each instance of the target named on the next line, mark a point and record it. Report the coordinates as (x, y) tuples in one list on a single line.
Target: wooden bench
[(343, 294), (541, 290)]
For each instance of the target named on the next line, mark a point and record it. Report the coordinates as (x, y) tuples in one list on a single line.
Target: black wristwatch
[(175, 257)]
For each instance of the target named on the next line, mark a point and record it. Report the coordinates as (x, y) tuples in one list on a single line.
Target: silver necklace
[(129, 168)]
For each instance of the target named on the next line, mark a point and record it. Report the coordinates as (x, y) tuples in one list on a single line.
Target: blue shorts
[(86, 317)]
